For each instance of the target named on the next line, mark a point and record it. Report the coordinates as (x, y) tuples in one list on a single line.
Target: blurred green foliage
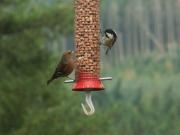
[(142, 99)]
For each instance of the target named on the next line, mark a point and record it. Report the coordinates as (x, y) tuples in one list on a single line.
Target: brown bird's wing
[(60, 70), (65, 66), (57, 73), (63, 69)]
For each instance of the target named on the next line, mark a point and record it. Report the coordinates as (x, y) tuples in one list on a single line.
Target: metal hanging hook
[(90, 105)]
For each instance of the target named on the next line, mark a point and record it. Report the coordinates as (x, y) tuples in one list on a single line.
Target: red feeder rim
[(87, 82)]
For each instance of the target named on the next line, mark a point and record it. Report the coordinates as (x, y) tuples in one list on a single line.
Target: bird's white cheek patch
[(109, 35)]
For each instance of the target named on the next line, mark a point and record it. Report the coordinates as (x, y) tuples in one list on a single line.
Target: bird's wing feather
[(114, 40)]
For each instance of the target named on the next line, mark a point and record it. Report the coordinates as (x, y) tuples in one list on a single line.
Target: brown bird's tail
[(49, 81)]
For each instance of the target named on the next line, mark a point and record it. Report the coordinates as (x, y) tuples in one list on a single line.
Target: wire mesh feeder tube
[(87, 48)]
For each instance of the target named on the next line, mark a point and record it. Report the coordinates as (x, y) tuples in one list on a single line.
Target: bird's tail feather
[(49, 81)]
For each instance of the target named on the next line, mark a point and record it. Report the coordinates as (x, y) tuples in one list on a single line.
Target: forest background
[(143, 97)]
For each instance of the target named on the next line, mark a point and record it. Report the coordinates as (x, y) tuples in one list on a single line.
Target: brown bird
[(109, 39), (65, 66)]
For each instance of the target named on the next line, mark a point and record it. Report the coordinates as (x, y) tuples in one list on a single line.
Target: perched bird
[(65, 66), (108, 39)]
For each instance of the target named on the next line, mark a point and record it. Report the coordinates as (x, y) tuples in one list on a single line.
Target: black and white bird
[(108, 39)]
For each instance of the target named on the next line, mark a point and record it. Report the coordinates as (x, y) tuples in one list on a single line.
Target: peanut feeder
[(87, 50)]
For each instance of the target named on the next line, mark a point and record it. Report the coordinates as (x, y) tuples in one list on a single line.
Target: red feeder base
[(87, 82)]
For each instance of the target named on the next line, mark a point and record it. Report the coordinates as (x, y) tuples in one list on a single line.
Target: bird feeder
[(87, 50)]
